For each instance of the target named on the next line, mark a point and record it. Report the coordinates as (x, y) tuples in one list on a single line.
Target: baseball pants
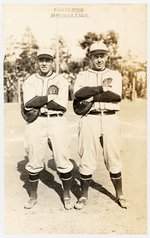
[(91, 127), (36, 137)]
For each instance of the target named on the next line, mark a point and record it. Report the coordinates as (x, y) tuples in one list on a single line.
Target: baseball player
[(102, 88), (47, 92)]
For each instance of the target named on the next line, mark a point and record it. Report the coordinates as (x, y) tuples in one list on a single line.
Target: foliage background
[(20, 53)]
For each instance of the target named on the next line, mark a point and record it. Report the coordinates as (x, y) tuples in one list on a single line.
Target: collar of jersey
[(96, 71), (50, 76)]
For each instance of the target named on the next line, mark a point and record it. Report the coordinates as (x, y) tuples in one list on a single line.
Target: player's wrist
[(90, 99), (105, 89), (50, 97)]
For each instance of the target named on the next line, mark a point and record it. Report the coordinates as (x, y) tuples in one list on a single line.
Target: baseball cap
[(98, 47), (46, 53)]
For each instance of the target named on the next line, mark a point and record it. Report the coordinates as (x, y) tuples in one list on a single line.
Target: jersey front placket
[(44, 92), (99, 79), (96, 80)]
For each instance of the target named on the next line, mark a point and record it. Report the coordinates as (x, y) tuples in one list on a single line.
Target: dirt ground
[(101, 215)]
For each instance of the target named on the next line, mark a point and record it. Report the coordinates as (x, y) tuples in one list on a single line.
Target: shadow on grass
[(49, 180), (101, 189), (23, 173)]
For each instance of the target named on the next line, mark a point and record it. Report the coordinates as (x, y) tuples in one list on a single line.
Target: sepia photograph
[(75, 118)]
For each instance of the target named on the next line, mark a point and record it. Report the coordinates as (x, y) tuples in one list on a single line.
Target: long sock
[(33, 179), (66, 179), (117, 182), (85, 183)]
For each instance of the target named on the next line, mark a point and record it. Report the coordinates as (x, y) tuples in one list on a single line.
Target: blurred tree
[(7, 65), (75, 67), (62, 53), (27, 59), (19, 59), (130, 68), (21, 55)]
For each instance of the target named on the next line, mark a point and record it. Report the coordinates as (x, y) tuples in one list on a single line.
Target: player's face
[(45, 65), (98, 61)]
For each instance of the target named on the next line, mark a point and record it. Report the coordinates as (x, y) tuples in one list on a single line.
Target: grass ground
[(102, 215)]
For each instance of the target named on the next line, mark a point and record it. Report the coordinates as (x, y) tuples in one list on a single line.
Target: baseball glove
[(29, 115), (81, 107)]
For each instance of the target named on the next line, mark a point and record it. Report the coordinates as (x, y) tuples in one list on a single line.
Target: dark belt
[(109, 112), (51, 115)]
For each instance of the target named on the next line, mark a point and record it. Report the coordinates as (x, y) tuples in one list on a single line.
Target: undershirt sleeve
[(87, 92), (37, 102)]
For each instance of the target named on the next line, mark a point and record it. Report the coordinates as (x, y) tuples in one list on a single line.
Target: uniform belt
[(110, 112), (51, 115)]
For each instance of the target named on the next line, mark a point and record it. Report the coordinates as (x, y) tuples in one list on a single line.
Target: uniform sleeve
[(31, 100), (81, 91), (87, 92), (117, 84), (62, 97), (107, 97), (28, 91), (55, 106), (37, 102), (114, 92), (79, 82)]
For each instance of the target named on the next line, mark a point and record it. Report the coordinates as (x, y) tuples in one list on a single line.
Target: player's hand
[(89, 99), (51, 97), (105, 89), (107, 84)]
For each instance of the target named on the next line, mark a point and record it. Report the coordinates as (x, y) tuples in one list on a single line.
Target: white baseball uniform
[(51, 127), (91, 127)]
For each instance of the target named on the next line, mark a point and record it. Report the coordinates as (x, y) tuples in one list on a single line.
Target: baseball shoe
[(80, 203), (122, 202), (67, 203), (32, 201)]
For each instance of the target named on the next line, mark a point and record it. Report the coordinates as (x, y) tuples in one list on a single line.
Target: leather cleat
[(80, 203), (122, 202), (32, 201), (67, 203)]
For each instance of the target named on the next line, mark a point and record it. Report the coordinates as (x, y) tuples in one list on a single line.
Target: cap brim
[(46, 56), (96, 52)]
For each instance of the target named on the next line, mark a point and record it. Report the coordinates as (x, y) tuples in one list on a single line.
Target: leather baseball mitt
[(29, 115), (81, 107)]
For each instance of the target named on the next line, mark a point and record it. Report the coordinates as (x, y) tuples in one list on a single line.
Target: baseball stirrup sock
[(66, 182), (66, 176), (85, 177), (85, 183), (115, 176), (33, 177), (117, 182)]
